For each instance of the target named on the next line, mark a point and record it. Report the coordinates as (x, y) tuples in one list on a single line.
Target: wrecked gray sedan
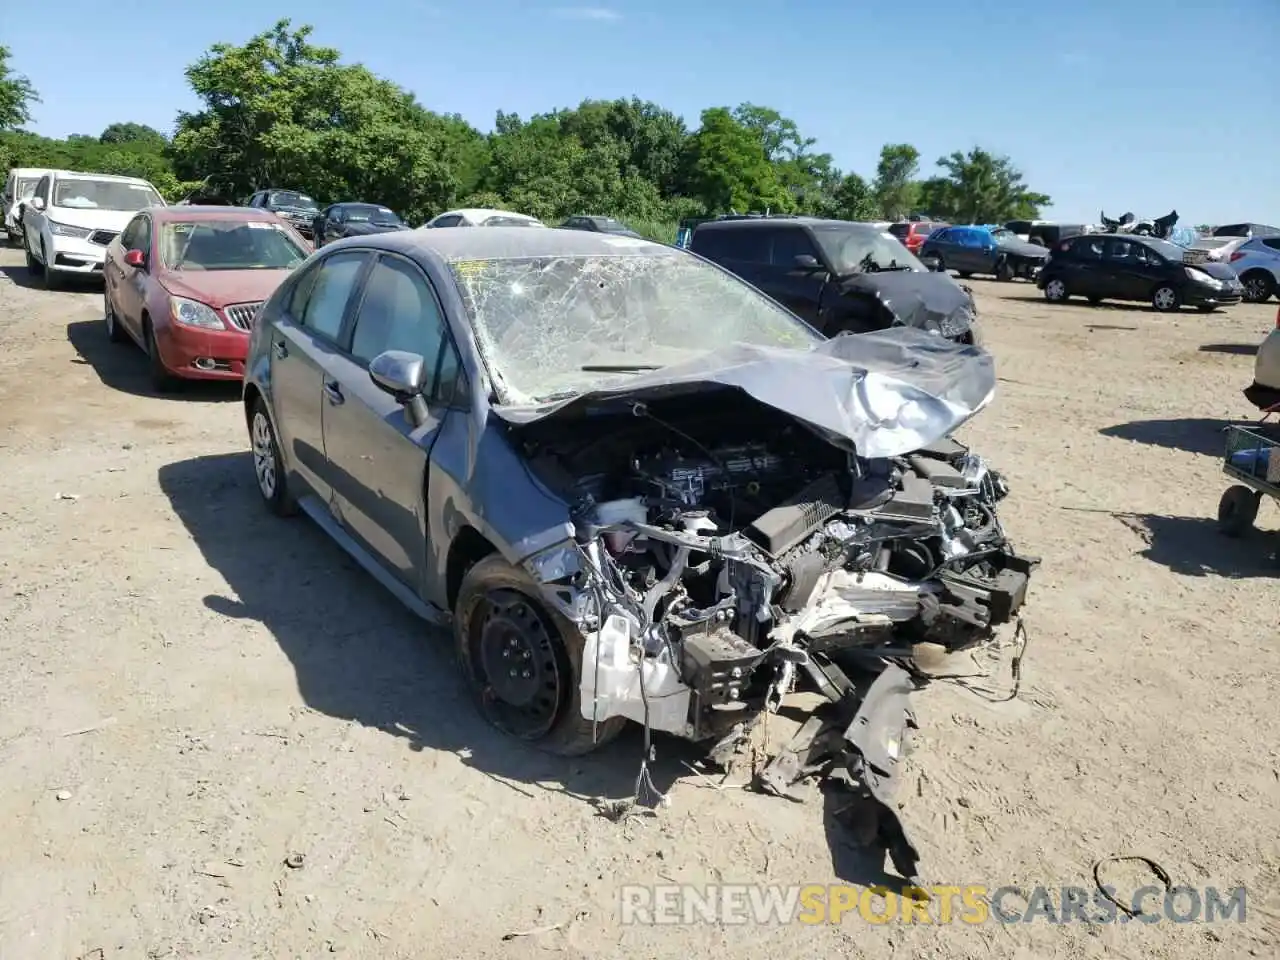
[(640, 490)]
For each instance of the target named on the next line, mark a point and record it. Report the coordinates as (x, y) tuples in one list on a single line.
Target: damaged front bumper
[(699, 631)]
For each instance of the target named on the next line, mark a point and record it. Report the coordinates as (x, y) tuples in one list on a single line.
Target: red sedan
[(185, 283)]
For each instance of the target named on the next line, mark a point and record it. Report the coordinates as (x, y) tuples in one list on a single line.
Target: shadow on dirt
[(1194, 435), (123, 367), (19, 277), (360, 656), (1193, 547), (1234, 349)]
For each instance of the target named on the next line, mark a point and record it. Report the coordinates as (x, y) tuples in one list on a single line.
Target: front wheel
[(1055, 291), (523, 661), (1004, 270), (162, 381), (34, 267), (1165, 299), (1237, 510), (114, 332)]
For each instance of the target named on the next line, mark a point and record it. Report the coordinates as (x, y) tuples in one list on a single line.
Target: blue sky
[(1142, 105)]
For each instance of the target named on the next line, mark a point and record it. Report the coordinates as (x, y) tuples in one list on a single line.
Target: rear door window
[(1087, 248), (743, 246)]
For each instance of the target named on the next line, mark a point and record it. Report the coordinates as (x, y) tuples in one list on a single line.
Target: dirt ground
[(191, 692)]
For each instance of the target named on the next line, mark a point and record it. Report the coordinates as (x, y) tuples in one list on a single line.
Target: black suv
[(297, 208), (838, 275)]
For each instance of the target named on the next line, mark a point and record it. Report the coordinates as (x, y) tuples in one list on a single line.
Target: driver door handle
[(334, 392), (281, 350)]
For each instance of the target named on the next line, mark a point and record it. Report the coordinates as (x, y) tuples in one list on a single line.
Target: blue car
[(970, 250)]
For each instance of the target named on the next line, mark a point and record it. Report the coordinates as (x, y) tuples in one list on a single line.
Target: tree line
[(282, 111)]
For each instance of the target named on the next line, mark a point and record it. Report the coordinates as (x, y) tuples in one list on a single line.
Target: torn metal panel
[(880, 394)]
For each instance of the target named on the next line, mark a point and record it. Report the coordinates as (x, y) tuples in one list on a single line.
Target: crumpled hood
[(1024, 249), (369, 228), (916, 297), (91, 218), (1219, 271), (880, 394)]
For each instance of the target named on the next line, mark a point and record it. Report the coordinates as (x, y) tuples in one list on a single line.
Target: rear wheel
[(268, 467), (1166, 299), (523, 661), (1004, 270), (1259, 285), (1094, 301), (1237, 510), (1055, 291)]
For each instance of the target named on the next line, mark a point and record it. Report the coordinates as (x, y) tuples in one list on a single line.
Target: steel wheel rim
[(264, 456), (1055, 289), (1164, 298), (516, 664)]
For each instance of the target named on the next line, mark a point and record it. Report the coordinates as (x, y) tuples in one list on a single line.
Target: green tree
[(981, 187), (132, 133), (853, 199), (17, 95), (281, 111), (729, 170), (895, 188)]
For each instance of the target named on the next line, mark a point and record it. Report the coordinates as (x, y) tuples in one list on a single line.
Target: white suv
[(71, 218), (1257, 261)]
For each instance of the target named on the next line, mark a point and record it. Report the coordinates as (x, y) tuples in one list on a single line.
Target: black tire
[(115, 333), (1259, 285), (162, 381), (1237, 510), (268, 465), (499, 606), (51, 279), (965, 274), (1206, 307), (1004, 270), (1094, 301), (1055, 291), (939, 264), (1166, 299), (34, 267)]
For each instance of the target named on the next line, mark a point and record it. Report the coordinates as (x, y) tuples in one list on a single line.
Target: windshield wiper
[(619, 367)]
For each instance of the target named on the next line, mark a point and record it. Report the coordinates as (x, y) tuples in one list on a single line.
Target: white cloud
[(587, 13)]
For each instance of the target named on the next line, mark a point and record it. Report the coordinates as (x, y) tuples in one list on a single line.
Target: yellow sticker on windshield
[(469, 268)]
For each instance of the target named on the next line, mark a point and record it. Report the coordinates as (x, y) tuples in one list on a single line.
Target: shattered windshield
[(89, 194), (228, 245), (853, 249), (382, 216), (291, 200), (551, 327)]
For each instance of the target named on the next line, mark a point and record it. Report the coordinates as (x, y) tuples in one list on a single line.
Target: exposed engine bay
[(728, 555)]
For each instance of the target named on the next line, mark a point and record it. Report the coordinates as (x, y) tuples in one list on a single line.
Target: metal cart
[(1253, 460)]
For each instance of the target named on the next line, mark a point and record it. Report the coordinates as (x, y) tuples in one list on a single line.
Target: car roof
[(81, 175), (212, 212), (506, 243), (755, 223), (482, 213)]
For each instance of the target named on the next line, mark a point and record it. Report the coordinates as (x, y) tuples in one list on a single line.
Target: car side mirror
[(806, 262), (404, 376), (37, 203), (136, 258)]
